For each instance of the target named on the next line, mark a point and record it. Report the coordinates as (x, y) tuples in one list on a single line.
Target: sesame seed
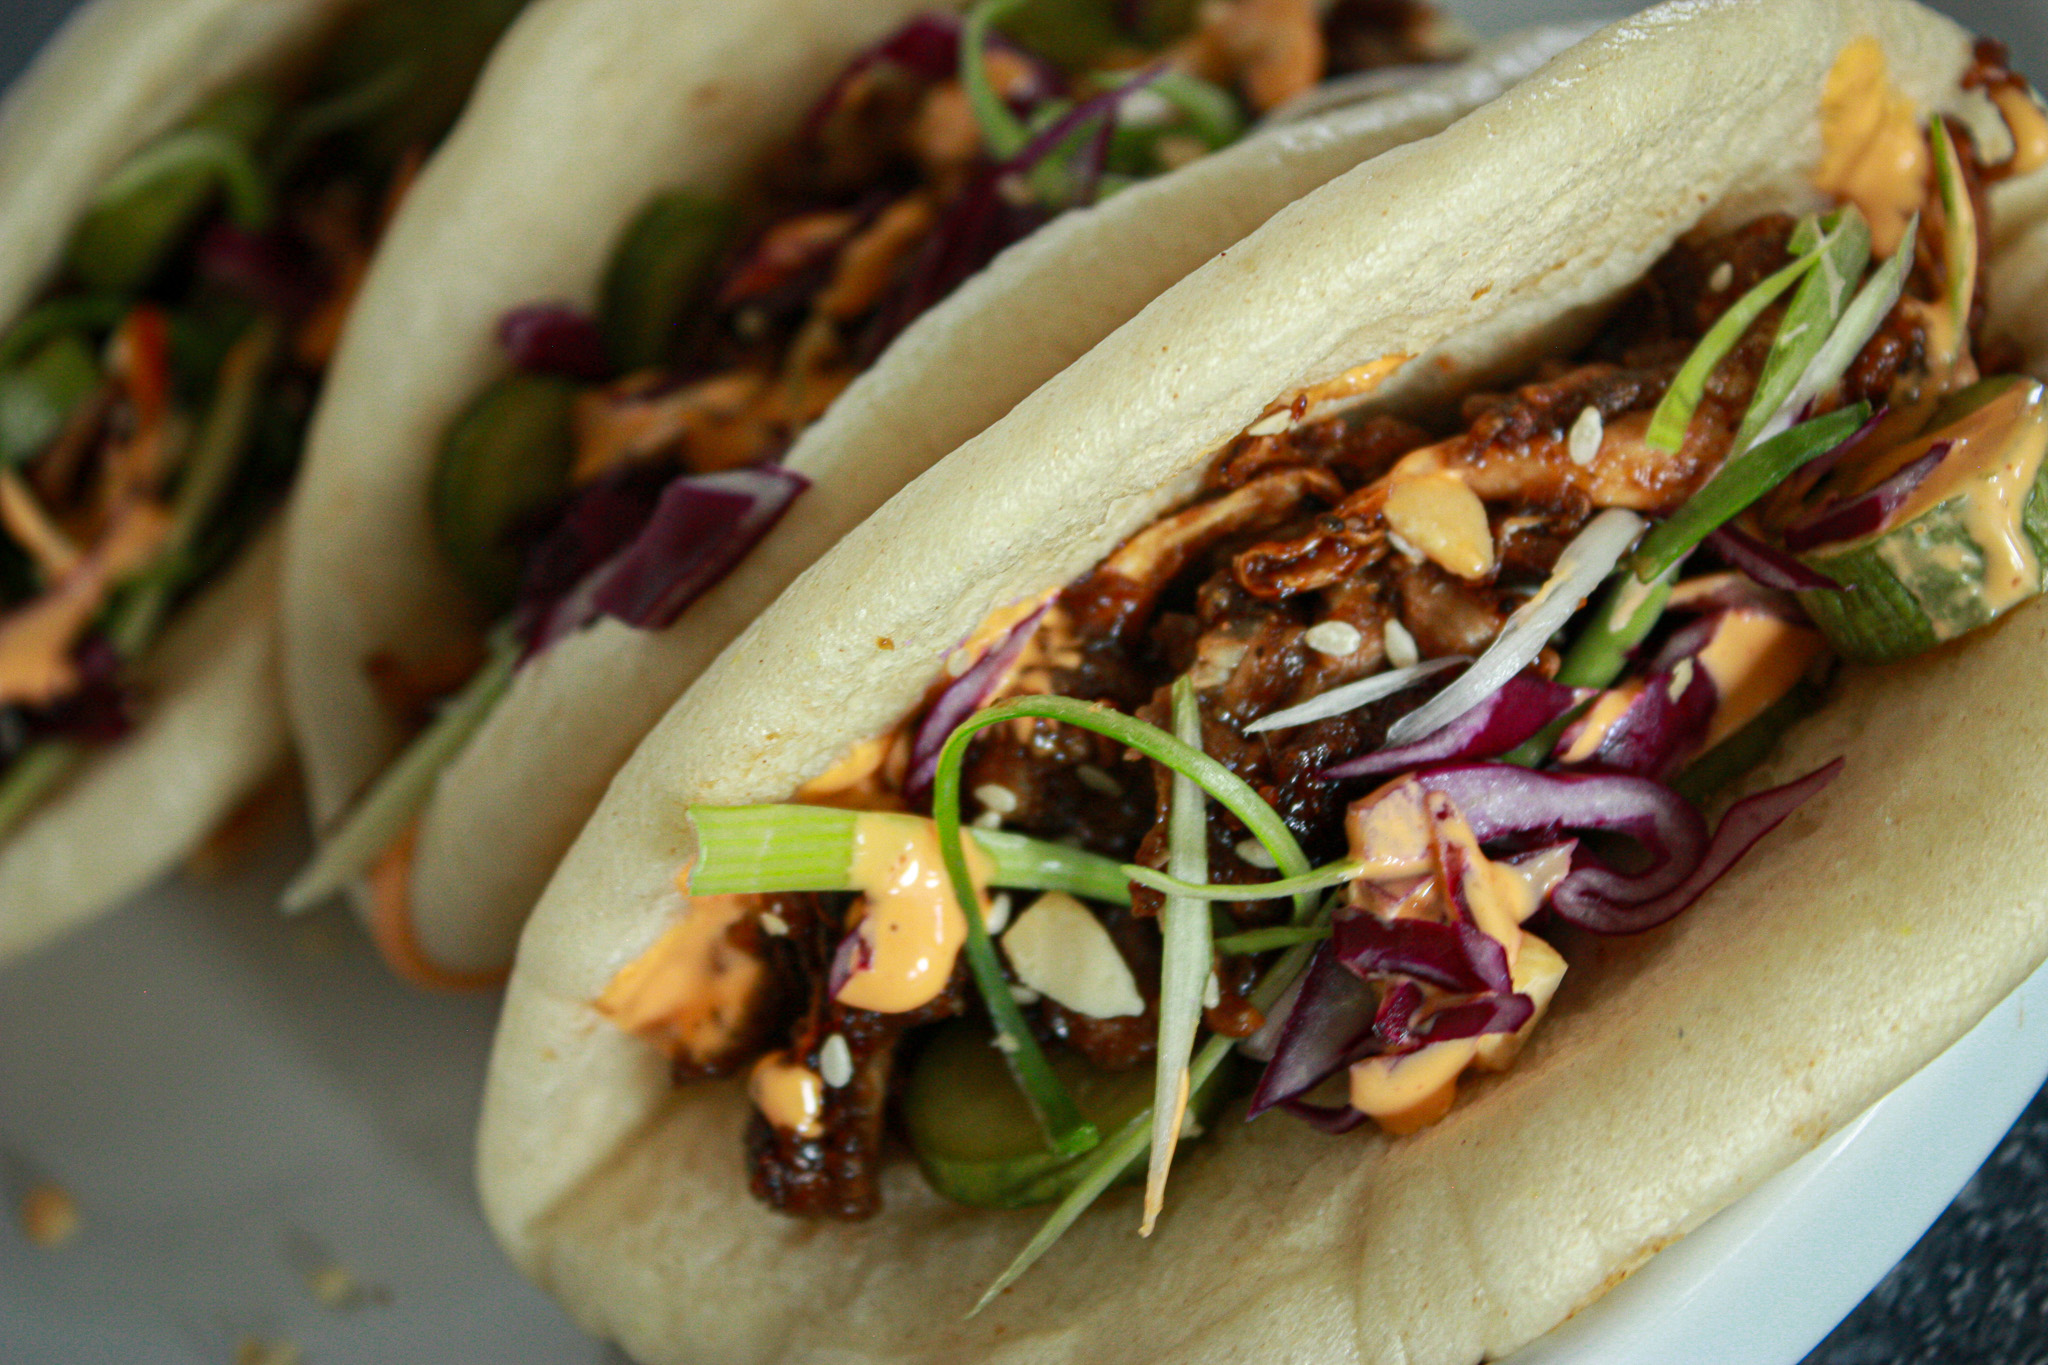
[(1583, 445), (775, 924), (835, 1062), (1024, 995), (1212, 992), (997, 798), (988, 819), (1334, 638), (1272, 424), (1401, 650), (997, 916), (1003, 1042), (1254, 852), (1723, 276), (1099, 780), (1681, 678)]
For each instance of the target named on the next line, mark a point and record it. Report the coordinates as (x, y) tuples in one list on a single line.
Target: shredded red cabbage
[(1771, 567), (701, 527), (1852, 518), (272, 269), (1330, 1118), (1439, 954), (1658, 733), (556, 339), (927, 46), (1504, 720), (962, 698), (1331, 1020)]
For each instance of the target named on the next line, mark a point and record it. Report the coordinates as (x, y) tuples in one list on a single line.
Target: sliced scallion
[(1740, 483), (1351, 696), (192, 151), (1253, 941), (1336, 874), (1859, 322), (1001, 129), (382, 814), (1959, 230), (33, 775), (750, 849), (1838, 261), (1689, 385), (1187, 957)]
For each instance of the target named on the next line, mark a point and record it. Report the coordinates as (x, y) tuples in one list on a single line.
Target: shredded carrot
[(34, 530), (391, 927), (36, 641)]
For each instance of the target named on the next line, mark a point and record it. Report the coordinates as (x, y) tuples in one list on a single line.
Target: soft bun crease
[(1678, 1070), (117, 75)]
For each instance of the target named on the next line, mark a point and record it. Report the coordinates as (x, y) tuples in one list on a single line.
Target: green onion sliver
[(1188, 958), (224, 438), (398, 797), (1860, 321), (1255, 941), (79, 313), (206, 151), (1839, 258), (1336, 874), (1623, 620), (1110, 1160), (33, 775), (1001, 129), (1689, 385), (1740, 483), (1212, 114), (1959, 233), (745, 850)]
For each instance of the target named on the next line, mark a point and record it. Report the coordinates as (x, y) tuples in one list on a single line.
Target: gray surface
[(1975, 1289)]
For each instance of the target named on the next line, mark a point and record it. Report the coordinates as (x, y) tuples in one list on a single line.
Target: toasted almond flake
[(1414, 556), (1272, 424), (998, 917), (1723, 276), (1096, 778), (1254, 852), (1059, 948), (49, 1215), (1583, 445), (1334, 638), (997, 798), (1681, 678), (1401, 650), (775, 924), (835, 1062)]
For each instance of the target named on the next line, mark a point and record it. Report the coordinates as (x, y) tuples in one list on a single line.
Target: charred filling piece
[(1786, 444), (152, 401), (630, 459)]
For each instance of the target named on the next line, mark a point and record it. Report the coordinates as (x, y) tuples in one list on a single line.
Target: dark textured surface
[(1975, 1289)]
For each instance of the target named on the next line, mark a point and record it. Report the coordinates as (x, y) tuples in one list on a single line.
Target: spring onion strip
[(217, 452), (751, 849), (31, 777), (83, 313), (1589, 558), (1110, 1161), (346, 109), (1959, 230), (1860, 321), (1336, 874), (1212, 114), (1534, 751), (398, 797), (1001, 129), (1187, 960), (1839, 260), (1266, 940), (1351, 696), (1689, 385), (206, 151), (1741, 482)]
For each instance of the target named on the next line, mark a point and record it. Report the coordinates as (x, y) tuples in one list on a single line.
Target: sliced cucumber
[(658, 274), (505, 460), (973, 1131), (37, 397), (1967, 547)]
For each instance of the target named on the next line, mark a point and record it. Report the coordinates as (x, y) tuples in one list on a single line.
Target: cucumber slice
[(1966, 547), (38, 397), (973, 1131), (505, 460), (658, 274)]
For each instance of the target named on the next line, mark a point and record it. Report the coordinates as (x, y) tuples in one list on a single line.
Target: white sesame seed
[(1024, 995), (998, 913), (1003, 1042), (1723, 276), (1334, 638), (1401, 650), (835, 1062), (1583, 445), (1681, 678), (1272, 424), (775, 924), (1254, 852), (988, 819), (1212, 992), (997, 798), (1097, 778)]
